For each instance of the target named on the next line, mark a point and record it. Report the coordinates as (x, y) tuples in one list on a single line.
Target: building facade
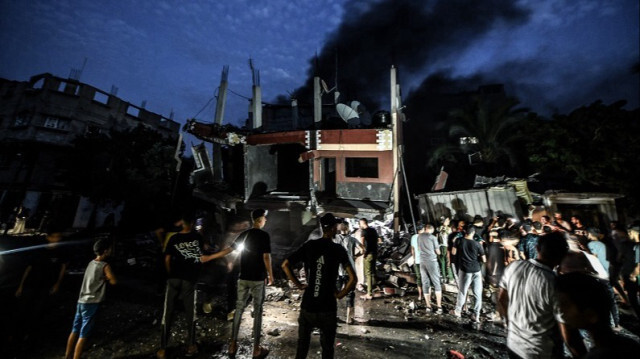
[(39, 120)]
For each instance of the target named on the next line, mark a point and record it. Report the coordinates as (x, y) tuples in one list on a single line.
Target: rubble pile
[(393, 269)]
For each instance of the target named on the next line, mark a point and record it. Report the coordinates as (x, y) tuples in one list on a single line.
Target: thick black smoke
[(407, 34)]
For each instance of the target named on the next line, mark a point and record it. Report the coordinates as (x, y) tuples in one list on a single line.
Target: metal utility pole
[(396, 148)]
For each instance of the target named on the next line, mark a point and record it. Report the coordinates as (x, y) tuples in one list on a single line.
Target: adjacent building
[(39, 119)]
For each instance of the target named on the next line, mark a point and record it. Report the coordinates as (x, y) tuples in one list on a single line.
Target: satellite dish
[(346, 112), (324, 86), (354, 105)]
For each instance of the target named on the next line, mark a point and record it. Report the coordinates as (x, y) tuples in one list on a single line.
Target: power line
[(204, 107), (237, 94)]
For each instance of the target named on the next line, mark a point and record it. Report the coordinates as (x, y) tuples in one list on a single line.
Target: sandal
[(232, 352), (262, 354)]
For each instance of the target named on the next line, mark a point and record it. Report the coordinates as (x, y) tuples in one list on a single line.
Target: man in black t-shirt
[(321, 259), (469, 253), (370, 240), (40, 281), (254, 246), (182, 259)]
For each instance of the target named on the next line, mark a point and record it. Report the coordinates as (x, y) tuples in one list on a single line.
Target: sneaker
[(455, 313), (439, 310), (427, 310), (476, 318)]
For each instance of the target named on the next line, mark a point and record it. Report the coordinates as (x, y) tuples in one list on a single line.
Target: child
[(92, 292)]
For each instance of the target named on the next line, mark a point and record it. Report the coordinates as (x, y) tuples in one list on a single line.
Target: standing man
[(429, 251), (528, 242), (321, 260), (349, 243), (254, 246), (370, 240), (182, 260), (40, 282), (470, 253), (444, 231), (415, 253), (527, 300)]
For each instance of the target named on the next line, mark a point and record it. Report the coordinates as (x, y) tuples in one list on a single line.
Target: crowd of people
[(546, 279), (524, 267)]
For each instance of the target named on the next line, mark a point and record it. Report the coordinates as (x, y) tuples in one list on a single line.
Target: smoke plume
[(408, 34)]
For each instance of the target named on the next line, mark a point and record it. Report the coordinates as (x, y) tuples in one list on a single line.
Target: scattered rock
[(274, 294), (274, 332)]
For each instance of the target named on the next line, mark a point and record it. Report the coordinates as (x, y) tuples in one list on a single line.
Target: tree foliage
[(495, 127), (595, 146)]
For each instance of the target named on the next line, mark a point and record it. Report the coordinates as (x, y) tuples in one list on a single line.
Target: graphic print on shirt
[(319, 265), (189, 250)]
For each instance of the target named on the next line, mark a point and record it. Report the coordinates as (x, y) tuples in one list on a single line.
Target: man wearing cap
[(321, 259), (254, 246), (369, 237), (528, 242), (349, 243)]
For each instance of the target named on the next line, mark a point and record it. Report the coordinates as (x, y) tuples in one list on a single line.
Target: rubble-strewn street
[(128, 327)]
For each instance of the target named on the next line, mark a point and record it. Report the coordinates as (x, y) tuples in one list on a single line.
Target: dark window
[(133, 111), (38, 84), (20, 120), (101, 97), (366, 167)]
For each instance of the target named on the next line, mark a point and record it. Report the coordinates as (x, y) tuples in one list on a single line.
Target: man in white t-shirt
[(527, 299), (415, 253)]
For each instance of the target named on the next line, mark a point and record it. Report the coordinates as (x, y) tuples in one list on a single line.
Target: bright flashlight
[(240, 247)]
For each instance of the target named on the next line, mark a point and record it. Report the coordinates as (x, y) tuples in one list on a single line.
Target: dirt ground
[(128, 326)]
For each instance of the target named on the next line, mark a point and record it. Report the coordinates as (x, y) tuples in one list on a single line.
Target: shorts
[(84, 319), (416, 270)]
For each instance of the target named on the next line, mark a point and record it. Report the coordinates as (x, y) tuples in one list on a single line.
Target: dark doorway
[(329, 176)]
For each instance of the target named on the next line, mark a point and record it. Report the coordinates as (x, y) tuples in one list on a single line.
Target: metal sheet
[(465, 204), (261, 169)]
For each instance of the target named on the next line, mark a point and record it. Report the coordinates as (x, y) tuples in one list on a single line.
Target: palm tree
[(487, 129)]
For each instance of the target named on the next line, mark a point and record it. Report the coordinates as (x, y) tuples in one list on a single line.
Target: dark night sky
[(552, 54)]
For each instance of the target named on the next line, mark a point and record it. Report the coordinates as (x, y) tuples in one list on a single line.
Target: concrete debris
[(412, 305), (365, 331), (274, 294), (274, 332), (485, 350)]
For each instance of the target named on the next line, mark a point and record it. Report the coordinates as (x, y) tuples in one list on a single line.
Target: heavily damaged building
[(348, 169)]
